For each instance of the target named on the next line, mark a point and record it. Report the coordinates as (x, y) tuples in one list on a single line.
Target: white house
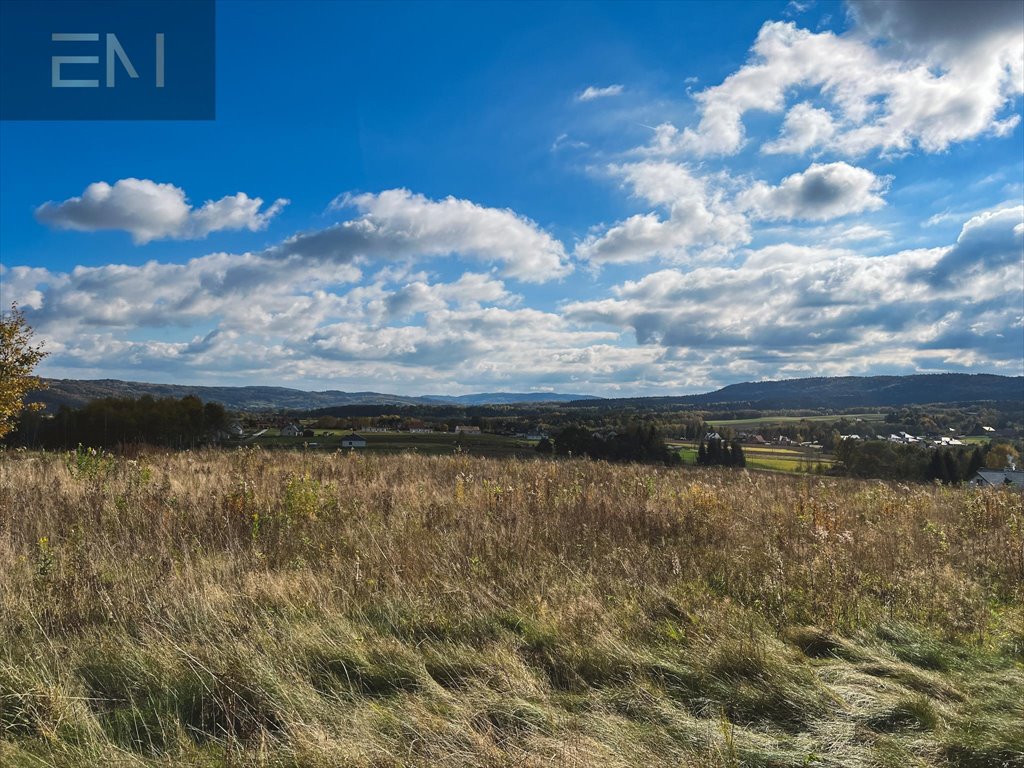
[(461, 430), (353, 441), (292, 430)]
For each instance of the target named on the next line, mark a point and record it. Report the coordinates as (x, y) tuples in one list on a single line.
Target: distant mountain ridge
[(77, 392), (852, 391), (821, 392)]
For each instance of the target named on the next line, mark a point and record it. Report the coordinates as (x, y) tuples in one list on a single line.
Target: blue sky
[(614, 199)]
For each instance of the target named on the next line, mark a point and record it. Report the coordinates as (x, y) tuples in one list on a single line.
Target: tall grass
[(303, 609)]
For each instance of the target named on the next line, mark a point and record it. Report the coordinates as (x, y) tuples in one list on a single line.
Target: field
[(300, 608), (765, 457)]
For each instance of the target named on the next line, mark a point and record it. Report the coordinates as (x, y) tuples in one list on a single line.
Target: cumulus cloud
[(705, 218), (290, 320), (805, 128), (593, 92), (788, 309), (777, 310), (152, 211), (697, 217), (943, 28), (939, 81), (823, 191), (398, 224), (988, 242)]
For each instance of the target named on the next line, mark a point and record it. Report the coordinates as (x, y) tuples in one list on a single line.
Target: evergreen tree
[(950, 470), (738, 459), (977, 462)]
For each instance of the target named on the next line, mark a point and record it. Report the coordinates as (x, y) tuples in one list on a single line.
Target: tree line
[(636, 442), (895, 461), (112, 422)]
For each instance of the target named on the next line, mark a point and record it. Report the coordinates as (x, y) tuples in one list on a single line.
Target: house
[(353, 441), (712, 436), (461, 430), (989, 429), (997, 478), (235, 430), (291, 430), (758, 440)]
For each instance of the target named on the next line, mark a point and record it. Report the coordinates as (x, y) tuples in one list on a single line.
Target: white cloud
[(928, 89), (706, 218), (699, 218), (805, 128), (823, 191), (987, 243), (152, 211), (563, 141), (397, 224), (788, 310), (592, 92), (779, 310)]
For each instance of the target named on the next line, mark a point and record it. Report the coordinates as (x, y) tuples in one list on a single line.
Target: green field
[(765, 457), (786, 465)]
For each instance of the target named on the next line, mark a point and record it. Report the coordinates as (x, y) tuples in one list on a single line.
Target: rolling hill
[(821, 392)]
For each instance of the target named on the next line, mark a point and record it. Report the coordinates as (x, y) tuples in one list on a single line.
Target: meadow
[(290, 608)]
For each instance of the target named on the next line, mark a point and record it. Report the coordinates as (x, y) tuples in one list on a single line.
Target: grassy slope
[(303, 609)]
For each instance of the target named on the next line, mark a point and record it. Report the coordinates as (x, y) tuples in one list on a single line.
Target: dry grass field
[(314, 609)]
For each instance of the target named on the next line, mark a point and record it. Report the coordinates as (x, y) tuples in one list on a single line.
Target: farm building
[(291, 430), (353, 441), (461, 430)]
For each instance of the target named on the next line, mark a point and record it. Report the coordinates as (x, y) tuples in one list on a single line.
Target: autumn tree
[(1001, 456), (18, 359)]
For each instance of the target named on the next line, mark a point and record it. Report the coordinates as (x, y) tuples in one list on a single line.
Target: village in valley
[(814, 443)]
